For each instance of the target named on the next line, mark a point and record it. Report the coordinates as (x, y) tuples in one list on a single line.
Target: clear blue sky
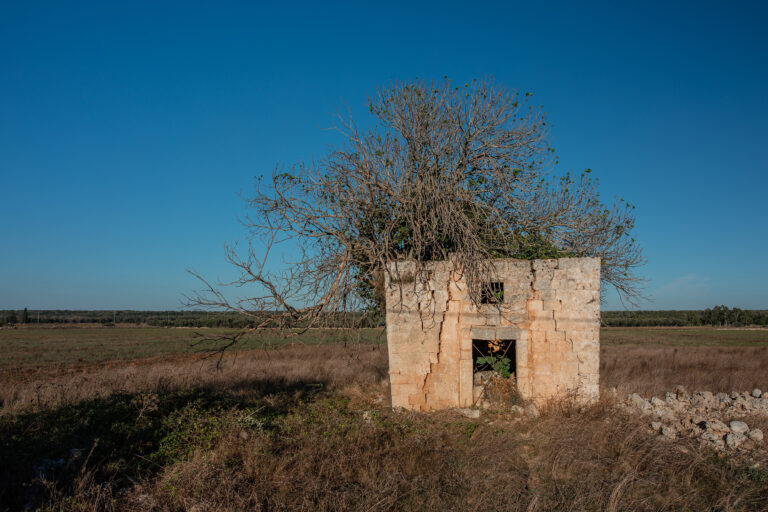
[(127, 130)]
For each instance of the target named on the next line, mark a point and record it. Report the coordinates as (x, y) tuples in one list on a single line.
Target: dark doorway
[(498, 350)]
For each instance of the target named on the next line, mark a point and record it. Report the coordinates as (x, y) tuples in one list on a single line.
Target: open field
[(79, 346), (307, 427), (685, 336)]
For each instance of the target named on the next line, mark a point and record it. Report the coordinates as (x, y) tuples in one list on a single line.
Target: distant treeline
[(167, 318), (717, 316)]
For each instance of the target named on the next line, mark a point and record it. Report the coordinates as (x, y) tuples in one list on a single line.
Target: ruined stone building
[(544, 313)]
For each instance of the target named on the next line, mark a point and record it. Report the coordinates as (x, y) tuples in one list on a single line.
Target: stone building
[(543, 314)]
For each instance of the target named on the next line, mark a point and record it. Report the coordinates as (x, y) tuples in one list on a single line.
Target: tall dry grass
[(647, 370), (327, 366), (654, 369)]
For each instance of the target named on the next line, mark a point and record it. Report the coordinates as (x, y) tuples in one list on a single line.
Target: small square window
[(492, 293)]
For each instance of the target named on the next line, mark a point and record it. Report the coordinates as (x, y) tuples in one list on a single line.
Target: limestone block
[(542, 315), (500, 268), (518, 267), (453, 307), (516, 299), (589, 360), (414, 380), (582, 342), (570, 371), (457, 290), (543, 324), (400, 394), (586, 266), (416, 348), (555, 336), (483, 333), (569, 264), (537, 336), (540, 358), (543, 368), (576, 325), (544, 265), (521, 349), (440, 297), (472, 319), (548, 294), (468, 308), (417, 400), (578, 298), (449, 357), (507, 333), (449, 333), (398, 299), (465, 382), (564, 279), (406, 363)]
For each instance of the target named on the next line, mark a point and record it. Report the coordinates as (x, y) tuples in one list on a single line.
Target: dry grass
[(647, 361), (308, 428), (29, 348), (324, 366), (655, 369)]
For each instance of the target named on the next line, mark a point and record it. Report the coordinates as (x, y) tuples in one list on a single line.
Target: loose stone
[(734, 440), (739, 427)]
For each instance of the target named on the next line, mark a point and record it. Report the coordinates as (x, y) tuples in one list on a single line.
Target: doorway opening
[(494, 356)]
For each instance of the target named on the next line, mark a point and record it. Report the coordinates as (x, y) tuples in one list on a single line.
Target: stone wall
[(551, 309)]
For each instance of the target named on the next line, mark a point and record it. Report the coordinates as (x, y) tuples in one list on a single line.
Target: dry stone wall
[(551, 310)]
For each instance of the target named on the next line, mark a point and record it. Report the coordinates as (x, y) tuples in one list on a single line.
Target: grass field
[(130, 419), (685, 336), (32, 347)]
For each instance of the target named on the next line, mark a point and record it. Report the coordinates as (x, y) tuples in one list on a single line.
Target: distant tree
[(25, 316), (10, 318)]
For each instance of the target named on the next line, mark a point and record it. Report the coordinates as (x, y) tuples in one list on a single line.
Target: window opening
[(492, 293)]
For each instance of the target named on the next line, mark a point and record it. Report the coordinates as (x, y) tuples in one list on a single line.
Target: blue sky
[(128, 129)]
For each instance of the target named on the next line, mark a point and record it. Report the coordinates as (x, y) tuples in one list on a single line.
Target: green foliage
[(499, 364), (178, 318), (9, 317), (194, 426)]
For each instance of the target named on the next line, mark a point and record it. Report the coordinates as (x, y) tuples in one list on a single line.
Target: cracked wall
[(551, 309)]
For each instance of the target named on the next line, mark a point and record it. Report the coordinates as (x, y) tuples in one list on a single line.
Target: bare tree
[(459, 171)]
